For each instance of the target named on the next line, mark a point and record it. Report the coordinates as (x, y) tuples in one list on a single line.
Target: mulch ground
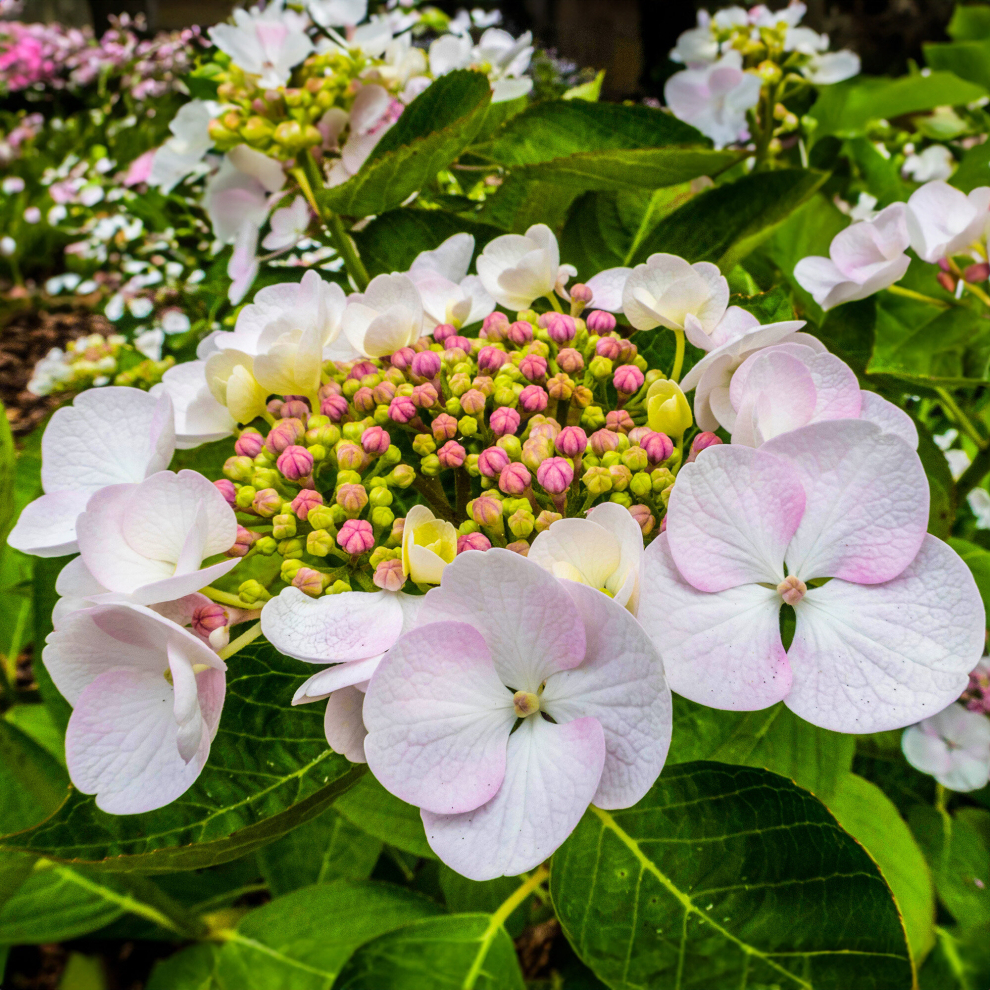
[(26, 338)]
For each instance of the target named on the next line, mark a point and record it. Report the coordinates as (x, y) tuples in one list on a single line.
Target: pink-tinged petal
[(890, 418), (529, 622), (731, 516), (551, 777), (587, 551), (621, 685), (867, 658), (624, 585), (340, 675), (953, 746), (863, 249), (75, 581), (121, 742), (606, 288), (351, 626), (107, 436), (835, 382), (180, 585), (722, 650), (46, 527), (736, 323), (867, 501), (438, 719), (343, 724), (773, 393)]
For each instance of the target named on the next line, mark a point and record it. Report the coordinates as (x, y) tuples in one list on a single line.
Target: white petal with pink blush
[(953, 746), (497, 645), (829, 519)]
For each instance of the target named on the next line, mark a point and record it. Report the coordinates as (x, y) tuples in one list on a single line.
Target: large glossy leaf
[(603, 146), (391, 242), (325, 849), (375, 811), (463, 952), (967, 59), (727, 877), (520, 202), (269, 771), (847, 107), (190, 969), (774, 738), (725, 223), (33, 783), (868, 815), (303, 939), (432, 131)]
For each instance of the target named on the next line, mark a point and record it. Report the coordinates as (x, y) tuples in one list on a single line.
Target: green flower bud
[(592, 419), (391, 456), (380, 554), (265, 478), (424, 444), (338, 515), (402, 476), (318, 452), (283, 527), (257, 130), (381, 496), (245, 496), (468, 526), (382, 517), (376, 482), (662, 478), (589, 461), (468, 426), (430, 465), (288, 570), (264, 459), (353, 431), (326, 435), (521, 523), (266, 546), (621, 498), (505, 396), (600, 367), (546, 519), (338, 588), (349, 388), (665, 495), (597, 480), (635, 459), (511, 445), (610, 458), (381, 416), (641, 484), (453, 406), (348, 478), (621, 476), (238, 468), (405, 389), (253, 592), (471, 465), (292, 549), (320, 517), (319, 543), (667, 409)]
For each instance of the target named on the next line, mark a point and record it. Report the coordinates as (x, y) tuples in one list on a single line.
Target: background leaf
[(978, 561), (375, 811), (190, 969), (727, 877)]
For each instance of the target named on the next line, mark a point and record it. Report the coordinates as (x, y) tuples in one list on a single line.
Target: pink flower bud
[(421, 344), (308, 581), (520, 333), (424, 396), (561, 328), (295, 462), (361, 369), (533, 367), (581, 293), (514, 479), (227, 490), (598, 321), (274, 407), (979, 272), (456, 343), (375, 441), (352, 498), (658, 446), (307, 499), (618, 421), (533, 399), (627, 378), (555, 474), (520, 547), (295, 409), (268, 503), (627, 351), (544, 427), (425, 366), (364, 400), (570, 360), (637, 433), (242, 543), (403, 358), (442, 331), (473, 541), (473, 402), (492, 461), (572, 441), (495, 327), (644, 518), (383, 393), (402, 409), (283, 434), (451, 454), (943, 263), (490, 359), (206, 618), (486, 510), (444, 427), (355, 536), (350, 457), (249, 444), (608, 347), (700, 443), (602, 441), (947, 281), (504, 421), (388, 575), (335, 407), (327, 389)]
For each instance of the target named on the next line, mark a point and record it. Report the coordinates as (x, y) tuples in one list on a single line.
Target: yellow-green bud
[(546, 519), (283, 527), (318, 452), (338, 588), (667, 410), (402, 476), (320, 517), (665, 495), (265, 478), (423, 444), (610, 458), (521, 523), (292, 549), (621, 476), (319, 543), (239, 468), (471, 465), (430, 465), (641, 484), (391, 456), (253, 592), (592, 419), (453, 406), (382, 517), (511, 445), (597, 480), (505, 396), (661, 478), (600, 367), (266, 546), (381, 496), (348, 478), (288, 570), (468, 426), (257, 130), (245, 496), (621, 498), (635, 459), (468, 526)]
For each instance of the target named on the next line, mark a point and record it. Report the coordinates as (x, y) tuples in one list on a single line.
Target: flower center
[(525, 703), (792, 589)]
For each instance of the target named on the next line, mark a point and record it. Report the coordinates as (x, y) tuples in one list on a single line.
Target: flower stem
[(899, 290), (974, 474), (225, 598), (675, 374), (553, 301), (238, 644), (961, 419)]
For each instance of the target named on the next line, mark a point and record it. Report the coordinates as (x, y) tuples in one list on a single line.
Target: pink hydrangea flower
[(498, 642), (953, 746)]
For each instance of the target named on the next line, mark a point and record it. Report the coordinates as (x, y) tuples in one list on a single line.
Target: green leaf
[(880, 760), (957, 848), (36, 721), (974, 169), (8, 469), (727, 877), (46, 570), (325, 849), (465, 896), (849, 331), (463, 952), (303, 939), (978, 561), (521, 202), (967, 59), (391, 242), (970, 22), (432, 131), (269, 771), (32, 781), (942, 489), (881, 175), (725, 223), (848, 107), (868, 815), (190, 969), (375, 811), (774, 738), (956, 963)]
